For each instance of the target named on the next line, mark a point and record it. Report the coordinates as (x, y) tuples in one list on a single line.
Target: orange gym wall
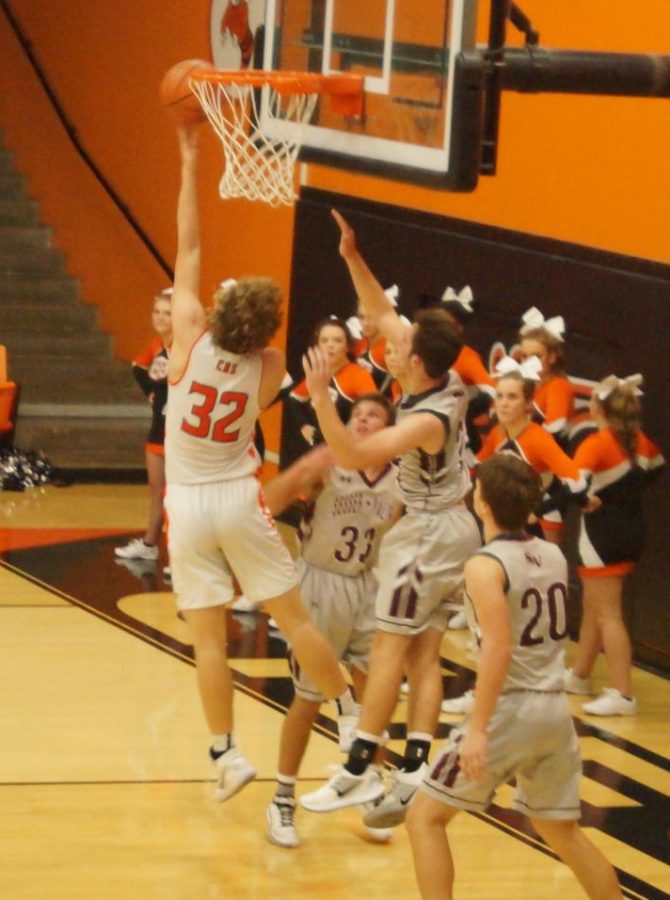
[(585, 169)]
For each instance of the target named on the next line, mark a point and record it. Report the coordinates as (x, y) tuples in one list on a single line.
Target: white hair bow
[(533, 318), (355, 327), (166, 293), (465, 297), (228, 283), (393, 293), (612, 383), (529, 369)]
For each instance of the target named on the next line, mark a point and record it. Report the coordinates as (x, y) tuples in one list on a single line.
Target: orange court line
[(21, 538)]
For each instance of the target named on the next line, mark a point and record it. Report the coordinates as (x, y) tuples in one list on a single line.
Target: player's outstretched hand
[(347, 235), (317, 373)]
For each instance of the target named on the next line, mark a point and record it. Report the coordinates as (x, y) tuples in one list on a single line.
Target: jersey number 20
[(554, 601)]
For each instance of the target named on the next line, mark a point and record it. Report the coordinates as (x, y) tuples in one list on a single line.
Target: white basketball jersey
[(211, 416), (437, 481), (536, 591), (342, 528)]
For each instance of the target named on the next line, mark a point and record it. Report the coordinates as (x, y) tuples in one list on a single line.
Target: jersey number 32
[(209, 402)]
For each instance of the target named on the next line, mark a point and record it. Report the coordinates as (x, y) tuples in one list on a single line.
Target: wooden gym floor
[(105, 787)]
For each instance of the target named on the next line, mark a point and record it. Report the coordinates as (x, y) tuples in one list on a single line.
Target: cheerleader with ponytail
[(618, 461)]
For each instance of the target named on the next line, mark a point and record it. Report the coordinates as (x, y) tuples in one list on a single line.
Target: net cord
[(255, 167)]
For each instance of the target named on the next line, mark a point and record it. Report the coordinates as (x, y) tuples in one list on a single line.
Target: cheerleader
[(150, 371), (515, 432), (555, 395), (348, 379), (618, 461)]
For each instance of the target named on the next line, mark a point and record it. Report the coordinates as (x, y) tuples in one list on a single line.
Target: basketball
[(176, 94)]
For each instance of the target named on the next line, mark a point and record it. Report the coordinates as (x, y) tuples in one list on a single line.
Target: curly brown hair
[(246, 315)]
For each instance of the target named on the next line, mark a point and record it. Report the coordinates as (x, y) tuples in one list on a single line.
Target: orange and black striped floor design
[(105, 784)]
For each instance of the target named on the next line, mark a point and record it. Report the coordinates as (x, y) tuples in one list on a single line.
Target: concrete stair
[(79, 405)]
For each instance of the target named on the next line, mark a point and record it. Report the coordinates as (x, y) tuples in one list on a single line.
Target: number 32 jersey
[(536, 591), (342, 528), (211, 416)]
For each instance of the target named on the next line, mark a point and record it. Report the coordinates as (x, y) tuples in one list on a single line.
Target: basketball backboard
[(407, 52), (422, 106)]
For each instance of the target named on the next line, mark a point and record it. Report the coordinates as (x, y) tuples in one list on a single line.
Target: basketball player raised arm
[(369, 291), (421, 430), (189, 319), (188, 313)]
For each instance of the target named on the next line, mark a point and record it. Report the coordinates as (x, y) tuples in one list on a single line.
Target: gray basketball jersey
[(342, 528), (536, 590), (437, 481)]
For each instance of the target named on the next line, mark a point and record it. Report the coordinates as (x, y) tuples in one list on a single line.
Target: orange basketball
[(176, 94)]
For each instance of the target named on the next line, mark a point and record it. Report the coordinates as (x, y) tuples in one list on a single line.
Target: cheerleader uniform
[(554, 406), (150, 371), (611, 538), (560, 476), (480, 391)]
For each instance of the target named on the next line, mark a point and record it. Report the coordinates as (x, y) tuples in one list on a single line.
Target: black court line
[(113, 782)]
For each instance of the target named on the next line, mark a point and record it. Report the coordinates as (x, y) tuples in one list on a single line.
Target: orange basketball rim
[(238, 102)]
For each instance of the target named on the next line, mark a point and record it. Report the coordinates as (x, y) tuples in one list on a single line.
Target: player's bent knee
[(425, 812), (556, 832)]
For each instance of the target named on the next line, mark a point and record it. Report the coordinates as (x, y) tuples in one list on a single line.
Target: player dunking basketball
[(222, 373), (520, 724)]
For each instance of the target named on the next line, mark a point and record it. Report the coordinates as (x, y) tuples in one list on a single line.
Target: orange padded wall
[(592, 170), (586, 169)]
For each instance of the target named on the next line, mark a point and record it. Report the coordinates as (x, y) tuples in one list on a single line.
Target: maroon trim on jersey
[(483, 552), (411, 399), (512, 536), (372, 482), (188, 358)]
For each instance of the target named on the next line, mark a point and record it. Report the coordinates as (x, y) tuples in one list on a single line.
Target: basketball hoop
[(237, 102)]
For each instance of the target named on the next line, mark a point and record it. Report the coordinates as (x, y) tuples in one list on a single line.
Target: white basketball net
[(256, 168)]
